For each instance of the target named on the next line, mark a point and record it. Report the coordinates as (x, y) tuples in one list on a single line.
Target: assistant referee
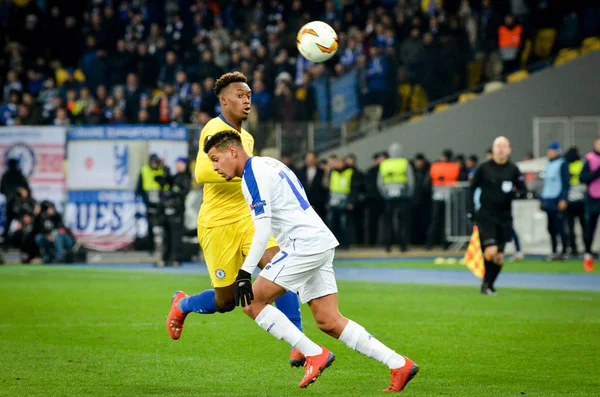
[(500, 181)]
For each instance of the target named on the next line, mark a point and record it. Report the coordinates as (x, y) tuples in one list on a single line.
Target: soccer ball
[(317, 41)]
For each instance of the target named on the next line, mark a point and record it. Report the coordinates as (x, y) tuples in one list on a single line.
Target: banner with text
[(40, 152), (103, 172), (105, 220)]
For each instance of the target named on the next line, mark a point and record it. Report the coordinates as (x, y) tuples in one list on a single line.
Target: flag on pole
[(474, 256)]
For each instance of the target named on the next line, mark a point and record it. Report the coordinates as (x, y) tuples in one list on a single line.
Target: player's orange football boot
[(176, 317), (588, 263), (297, 359), (401, 376), (315, 365)]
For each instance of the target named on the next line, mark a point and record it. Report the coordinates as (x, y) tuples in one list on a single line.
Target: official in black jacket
[(311, 177), (172, 209), (500, 181)]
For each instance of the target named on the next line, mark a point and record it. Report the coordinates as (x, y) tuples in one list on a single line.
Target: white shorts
[(310, 276)]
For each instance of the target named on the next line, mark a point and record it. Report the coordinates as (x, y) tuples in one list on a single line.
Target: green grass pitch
[(83, 332)]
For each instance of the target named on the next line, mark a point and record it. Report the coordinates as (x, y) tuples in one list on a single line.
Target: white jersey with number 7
[(273, 191)]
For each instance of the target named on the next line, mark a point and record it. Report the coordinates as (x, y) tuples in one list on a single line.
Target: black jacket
[(315, 192), (50, 223), (12, 179)]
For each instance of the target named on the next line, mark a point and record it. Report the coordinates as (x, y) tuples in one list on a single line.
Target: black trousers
[(173, 232), (556, 228), (397, 222), (374, 210), (575, 210), (436, 234), (591, 221), (338, 222)]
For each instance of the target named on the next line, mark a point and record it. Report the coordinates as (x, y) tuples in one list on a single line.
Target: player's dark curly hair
[(222, 140), (228, 78)]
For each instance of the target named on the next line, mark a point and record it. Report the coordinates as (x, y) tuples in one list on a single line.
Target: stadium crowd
[(84, 62)]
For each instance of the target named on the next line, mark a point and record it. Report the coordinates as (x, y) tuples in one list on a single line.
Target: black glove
[(243, 289)]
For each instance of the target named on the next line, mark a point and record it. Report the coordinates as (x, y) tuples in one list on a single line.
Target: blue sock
[(203, 303), (289, 304)]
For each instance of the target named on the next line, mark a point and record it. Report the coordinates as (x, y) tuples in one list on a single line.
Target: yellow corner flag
[(474, 256)]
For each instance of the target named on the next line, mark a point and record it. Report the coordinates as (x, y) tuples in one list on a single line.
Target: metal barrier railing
[(458, 227)]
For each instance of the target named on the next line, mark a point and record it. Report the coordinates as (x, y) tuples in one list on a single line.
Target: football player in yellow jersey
[(225, 227)]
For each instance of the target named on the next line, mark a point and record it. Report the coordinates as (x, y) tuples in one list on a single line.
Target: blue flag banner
[(345, 101)]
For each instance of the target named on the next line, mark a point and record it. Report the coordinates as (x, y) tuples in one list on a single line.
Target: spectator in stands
[(62, 118), (27, 211), (54, 239), (510, 39), (12, 181), (8, 111), (412, 55), (378, 82)]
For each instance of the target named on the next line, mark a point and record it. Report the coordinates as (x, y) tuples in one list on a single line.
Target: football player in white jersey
[(304, 265)]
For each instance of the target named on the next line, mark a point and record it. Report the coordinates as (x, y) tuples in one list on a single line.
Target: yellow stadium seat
[(416, 117), (474, 72), (567, 51), (566, 56), (590, 44), (544, 41), (467, 96), (405, 91), (79, 76), (525, 53), (418, 100), (61, 75), (517, 76), (441, 107)]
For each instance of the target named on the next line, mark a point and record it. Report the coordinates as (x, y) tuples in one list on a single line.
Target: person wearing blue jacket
[(555, 194)]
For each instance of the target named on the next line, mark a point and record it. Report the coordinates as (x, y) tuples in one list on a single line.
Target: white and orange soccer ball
[(317, 41)]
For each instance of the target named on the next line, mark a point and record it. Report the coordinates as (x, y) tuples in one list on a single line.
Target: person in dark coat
[(311, 177), (12, 180)]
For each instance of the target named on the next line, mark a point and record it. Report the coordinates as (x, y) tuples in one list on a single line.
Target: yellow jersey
[(223, 201)]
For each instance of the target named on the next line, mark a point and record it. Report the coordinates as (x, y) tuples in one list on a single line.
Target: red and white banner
[(41, 155)]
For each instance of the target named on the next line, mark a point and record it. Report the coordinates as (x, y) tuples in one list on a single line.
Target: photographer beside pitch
[(500, 181), (304, 265)]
